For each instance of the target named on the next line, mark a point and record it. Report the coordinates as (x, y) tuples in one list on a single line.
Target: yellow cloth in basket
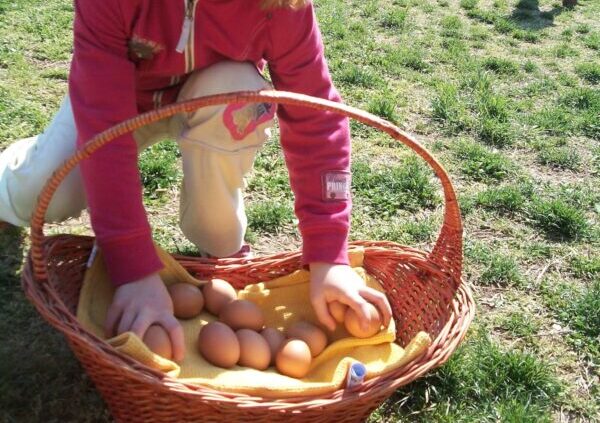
[(284, 301)]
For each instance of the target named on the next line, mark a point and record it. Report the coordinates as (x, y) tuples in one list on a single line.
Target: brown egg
[(275, 339), (242, 314), (338, 310), (188, 300), (219, 345), (352, 322), (217, 293), (254, 350), (293, 359), (314, 337), (157, 340)]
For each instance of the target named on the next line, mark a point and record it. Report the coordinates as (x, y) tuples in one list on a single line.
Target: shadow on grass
[(40, 380), (527, 15)]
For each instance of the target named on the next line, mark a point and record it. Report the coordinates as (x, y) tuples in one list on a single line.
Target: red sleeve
[(314, 142), (102, 92)]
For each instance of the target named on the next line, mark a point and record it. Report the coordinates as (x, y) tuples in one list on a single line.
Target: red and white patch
[(241, 118), (336, 185)]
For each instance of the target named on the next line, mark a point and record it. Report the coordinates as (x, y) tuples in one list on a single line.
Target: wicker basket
[(425, 291)]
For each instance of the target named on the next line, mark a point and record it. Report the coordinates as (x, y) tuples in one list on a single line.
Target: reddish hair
[(274, 4)]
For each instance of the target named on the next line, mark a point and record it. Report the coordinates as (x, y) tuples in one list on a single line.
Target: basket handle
[(447, 252)]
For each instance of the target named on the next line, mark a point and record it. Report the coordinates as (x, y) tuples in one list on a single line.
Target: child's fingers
[(141, 324), (112, 317), (126, 321), (170, 323), (320, 307), (380, 301), (359, 305)]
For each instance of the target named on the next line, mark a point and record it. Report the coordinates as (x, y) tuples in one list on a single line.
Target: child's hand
[(330, 282), (139, 304)]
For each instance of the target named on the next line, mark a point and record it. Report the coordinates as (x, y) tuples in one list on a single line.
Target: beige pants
[(217, 144)]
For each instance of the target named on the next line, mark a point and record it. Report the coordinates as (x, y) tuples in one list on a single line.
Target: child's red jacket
[(126, 61)]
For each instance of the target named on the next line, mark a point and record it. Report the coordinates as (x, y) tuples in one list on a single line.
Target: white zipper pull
[(186, 28)]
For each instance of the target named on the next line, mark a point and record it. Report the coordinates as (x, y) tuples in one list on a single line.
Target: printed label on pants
[(336, 185)]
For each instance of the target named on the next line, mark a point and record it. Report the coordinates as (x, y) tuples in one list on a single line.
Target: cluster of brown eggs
[(239, 337)]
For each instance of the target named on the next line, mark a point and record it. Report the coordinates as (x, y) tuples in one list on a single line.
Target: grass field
[(505, 93)]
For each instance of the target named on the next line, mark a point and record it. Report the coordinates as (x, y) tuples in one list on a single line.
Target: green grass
[(504, 93), (395, 59), (530, 66), (479, 33), (585, 267), (384, 191), (501, 270), (520, 324), (411, 58), (159, 169), (541, 86), (508, 199), (357, 76), (452, 26), (553, 120), (269, 178), (468, 4), (500, 65), (592, 41), (560, 157), (583, 28), (480, 381), (494, 113), (586, 311), (557, 213), (493, 106), (453, 50), (578, 308), (589, 72), (474, 106), (496, 133), (481, 164), (595, 165), (383, 106), (504, 25), (582, 98), (19, 117), (449, 108), (406, 232), (582, 195), (269, 217), (558, 218), (563, 51), (574, 112), (567, 33), (496, 268), (394, 19)]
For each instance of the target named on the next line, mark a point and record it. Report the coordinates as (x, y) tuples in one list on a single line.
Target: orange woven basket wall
[(425, 290)]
